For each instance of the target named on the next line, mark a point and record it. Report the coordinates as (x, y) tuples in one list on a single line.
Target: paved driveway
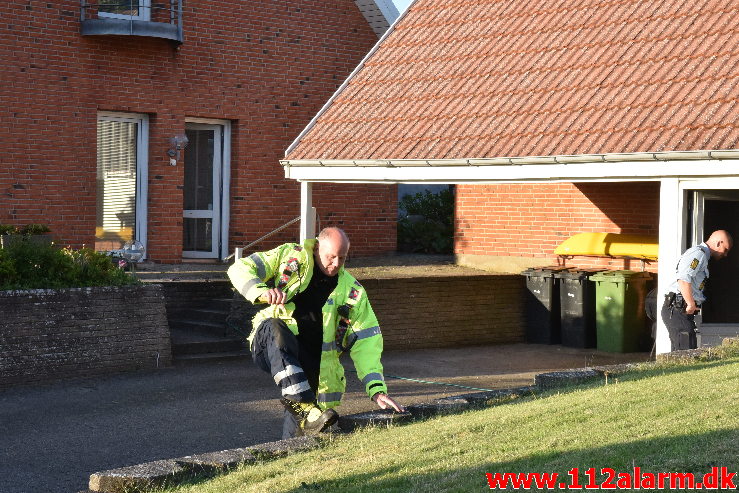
[(53, 437)]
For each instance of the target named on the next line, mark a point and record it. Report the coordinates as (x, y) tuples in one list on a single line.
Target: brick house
[(553, 119), (99, 97)]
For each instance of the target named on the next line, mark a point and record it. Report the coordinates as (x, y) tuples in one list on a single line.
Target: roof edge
[(718, 154), (341, 88)]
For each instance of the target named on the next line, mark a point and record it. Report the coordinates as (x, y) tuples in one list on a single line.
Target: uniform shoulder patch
[(694, 263)]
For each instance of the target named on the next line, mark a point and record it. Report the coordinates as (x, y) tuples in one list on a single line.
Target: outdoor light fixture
[(133, 251), (176, 144)]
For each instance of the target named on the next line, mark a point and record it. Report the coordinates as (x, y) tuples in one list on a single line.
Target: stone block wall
[(435, 312), (51, 334)]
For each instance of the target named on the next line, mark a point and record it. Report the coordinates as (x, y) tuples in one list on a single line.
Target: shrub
[(8, 229), (35, 229), (29, 265), (427, 222)]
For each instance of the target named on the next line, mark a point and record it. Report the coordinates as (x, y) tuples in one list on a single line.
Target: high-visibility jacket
[(349, 324)]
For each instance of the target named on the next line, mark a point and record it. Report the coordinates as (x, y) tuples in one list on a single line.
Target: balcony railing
[(132, 18)]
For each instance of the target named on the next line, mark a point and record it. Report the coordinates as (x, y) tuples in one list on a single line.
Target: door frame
[(221, 187), (142, 168), (701, 189)]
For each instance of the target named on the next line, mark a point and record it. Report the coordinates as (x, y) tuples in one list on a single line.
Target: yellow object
[(610, 245)]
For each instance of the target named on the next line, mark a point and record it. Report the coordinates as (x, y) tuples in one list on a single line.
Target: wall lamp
[(176, 144)]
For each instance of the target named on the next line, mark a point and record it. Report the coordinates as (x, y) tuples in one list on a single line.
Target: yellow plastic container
[(610, 245)]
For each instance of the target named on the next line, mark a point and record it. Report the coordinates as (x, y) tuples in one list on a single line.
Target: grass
[(675, 417)]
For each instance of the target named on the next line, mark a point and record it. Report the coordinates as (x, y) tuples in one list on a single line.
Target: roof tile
[(491, 78)]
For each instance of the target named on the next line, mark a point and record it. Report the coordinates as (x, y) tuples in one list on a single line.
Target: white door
[(203, 191)]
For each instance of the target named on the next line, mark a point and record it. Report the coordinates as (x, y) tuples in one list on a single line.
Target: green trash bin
[(620, 321)]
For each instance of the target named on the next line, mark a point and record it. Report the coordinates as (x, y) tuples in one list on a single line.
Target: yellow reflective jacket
[(349, 324)]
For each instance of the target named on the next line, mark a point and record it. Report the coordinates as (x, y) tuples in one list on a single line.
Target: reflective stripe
[(330, 397), (373, 376), (296, 389), (365, 333), (329, 346), (261, 269), (289, 370), (248, 285)]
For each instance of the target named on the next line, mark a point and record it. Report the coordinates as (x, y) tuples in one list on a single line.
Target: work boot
[(309, 416)]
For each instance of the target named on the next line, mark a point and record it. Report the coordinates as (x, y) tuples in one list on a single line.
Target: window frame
[(142, 166), (144, 12)]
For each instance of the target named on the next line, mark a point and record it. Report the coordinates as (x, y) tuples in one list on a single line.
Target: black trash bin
[(542, 305), (577, 307)]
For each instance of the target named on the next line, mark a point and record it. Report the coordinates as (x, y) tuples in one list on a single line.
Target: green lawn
[(667, 418)]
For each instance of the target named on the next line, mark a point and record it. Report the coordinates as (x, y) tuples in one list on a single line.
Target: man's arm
[(687, 292), (366, 351), (249, 276), (691, 262)]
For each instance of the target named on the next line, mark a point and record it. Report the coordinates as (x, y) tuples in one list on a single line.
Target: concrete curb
[(159, 473), (143, 477)]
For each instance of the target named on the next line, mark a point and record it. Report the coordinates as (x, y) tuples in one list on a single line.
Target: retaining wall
[(434, 312), (52, 334)]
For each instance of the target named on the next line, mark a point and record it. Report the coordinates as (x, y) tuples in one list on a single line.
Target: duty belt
[(676, 300)]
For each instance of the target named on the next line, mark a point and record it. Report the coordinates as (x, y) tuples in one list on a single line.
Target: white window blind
[(116, 182)]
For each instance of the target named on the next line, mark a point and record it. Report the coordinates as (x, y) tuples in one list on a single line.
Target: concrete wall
[(51, 334)]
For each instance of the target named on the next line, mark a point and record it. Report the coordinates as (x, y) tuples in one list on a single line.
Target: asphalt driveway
[(53, 437)]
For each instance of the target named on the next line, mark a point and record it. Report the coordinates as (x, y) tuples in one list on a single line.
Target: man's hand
[(384, 401), (690, 309), (274, 296)]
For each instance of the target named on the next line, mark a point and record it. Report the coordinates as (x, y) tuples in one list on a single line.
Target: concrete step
[(186, 359), (187, 342), (200, 327), (212, 313), (207, 347)]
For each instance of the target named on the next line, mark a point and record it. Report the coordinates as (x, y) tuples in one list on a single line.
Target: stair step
[(209, 357), (200, 326), (210, 314), (204, 347), (220, 304)]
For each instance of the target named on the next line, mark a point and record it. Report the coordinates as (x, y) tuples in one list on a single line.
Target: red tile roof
[(494, 78)]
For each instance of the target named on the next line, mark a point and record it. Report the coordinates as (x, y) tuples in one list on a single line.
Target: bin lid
[(620, 276), (577, 274), (610, 245), (544, 271)]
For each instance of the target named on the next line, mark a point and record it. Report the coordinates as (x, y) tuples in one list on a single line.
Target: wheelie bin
[(577, 307), (620, 320), (542, 305)]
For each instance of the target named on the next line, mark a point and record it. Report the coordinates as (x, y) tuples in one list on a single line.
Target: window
[(125, 9), (121, 183)]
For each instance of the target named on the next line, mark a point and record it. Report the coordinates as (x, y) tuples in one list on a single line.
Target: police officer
[(685, 294)]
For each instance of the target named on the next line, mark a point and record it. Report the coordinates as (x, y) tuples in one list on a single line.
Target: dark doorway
[(722, 289)]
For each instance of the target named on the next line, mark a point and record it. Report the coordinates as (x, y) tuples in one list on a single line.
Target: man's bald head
[(720, 242), (331, 250)]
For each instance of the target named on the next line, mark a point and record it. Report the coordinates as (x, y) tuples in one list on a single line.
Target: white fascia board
[(571, 172), (388, 9)]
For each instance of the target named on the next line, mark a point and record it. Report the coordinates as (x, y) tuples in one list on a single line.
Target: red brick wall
[(266, 66), (530, 220)]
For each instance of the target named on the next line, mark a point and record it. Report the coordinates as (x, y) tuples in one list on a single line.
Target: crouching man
[(315, 311)]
